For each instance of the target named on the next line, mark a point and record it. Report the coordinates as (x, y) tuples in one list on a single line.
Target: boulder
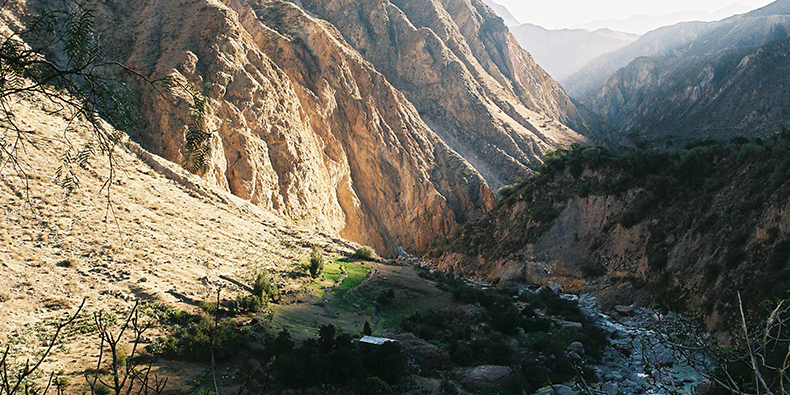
[(425, 354), (627, 311), (576, 347), (558, 389), (488, 375)]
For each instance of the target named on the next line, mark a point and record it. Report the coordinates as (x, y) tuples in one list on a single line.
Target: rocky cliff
[(370, 120), (466, 75), (678, 228)]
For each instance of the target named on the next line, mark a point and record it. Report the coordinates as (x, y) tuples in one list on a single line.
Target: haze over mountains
[(563, 52), (641, 24), (695, 80)]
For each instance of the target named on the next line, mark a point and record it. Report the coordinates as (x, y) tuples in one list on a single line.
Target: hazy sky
[(568, 13)]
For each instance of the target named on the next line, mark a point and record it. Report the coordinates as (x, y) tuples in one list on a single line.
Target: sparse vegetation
[(385, 298), (192, 335), (68, 262), (333, 359)]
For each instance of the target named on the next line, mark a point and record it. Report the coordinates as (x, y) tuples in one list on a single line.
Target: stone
[(576, 347), (558, 389), (662, 358), (627, 311), (562, 389), (488, 375), (616, 377), (427, 355), (609, 388), (570, 324)]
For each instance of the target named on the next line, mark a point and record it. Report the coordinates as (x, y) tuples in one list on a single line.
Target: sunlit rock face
[(387, 123)]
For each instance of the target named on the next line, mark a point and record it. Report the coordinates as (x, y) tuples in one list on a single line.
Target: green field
[(352, 301), (356, 274)]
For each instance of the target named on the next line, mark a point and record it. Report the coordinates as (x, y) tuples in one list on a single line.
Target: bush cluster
[(481, 336), (334, 359)]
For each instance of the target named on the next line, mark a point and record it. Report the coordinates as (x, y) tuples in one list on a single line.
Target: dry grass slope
[(163, 236)]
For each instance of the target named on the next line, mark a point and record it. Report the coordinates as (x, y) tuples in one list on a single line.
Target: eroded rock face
[(305, 125), (465, 73)]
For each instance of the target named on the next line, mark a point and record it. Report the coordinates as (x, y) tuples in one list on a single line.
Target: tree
[(367, 331), (126, 375), (365, 253), (756, 360), (58, 58), (316, 262), (76, 84), (17, 379), (118, 374)]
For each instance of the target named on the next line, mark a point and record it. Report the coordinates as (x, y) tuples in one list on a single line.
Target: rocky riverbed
[(638, 361)]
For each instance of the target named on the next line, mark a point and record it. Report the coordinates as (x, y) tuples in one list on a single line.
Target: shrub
[(246, 304), (629, 219), (101, 389), (780, 255), (68, 262), (367, 330), (385, 298), (506, 191), (195, 340), (365, 253), (264, 289), (658, 260), (316, 262)]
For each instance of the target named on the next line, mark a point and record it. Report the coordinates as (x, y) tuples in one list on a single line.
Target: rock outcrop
[(737, 92), (303, 125)]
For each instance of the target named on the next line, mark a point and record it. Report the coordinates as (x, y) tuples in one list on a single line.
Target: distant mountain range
[(503, 13), (696, 80), (563, 52), (641, 24)]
